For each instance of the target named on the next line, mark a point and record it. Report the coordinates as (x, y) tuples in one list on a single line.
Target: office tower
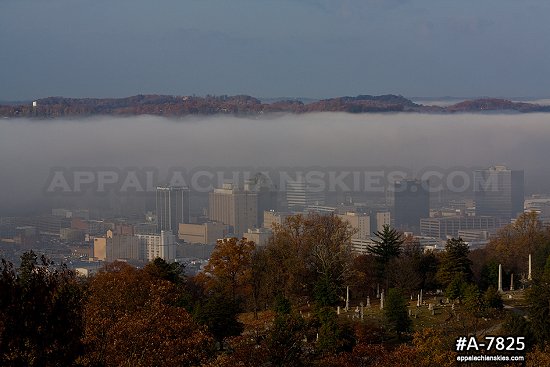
[(161, 245), (235, 207), (498, 192), (411, 202), (172, 207), (301, 194), (378, 220), (359, 222), (267, 194)]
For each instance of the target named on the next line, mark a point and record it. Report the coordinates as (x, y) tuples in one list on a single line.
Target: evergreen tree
[(395, 312), (455, 263), (388, 244), (388, 247)]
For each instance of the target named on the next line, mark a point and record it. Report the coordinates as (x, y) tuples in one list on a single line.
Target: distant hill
[(174, 106)]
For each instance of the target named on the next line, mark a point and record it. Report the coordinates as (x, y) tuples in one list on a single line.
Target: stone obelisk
[(500, 277)]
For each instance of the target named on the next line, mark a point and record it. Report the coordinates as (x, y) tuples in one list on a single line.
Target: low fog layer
[(29, 149)]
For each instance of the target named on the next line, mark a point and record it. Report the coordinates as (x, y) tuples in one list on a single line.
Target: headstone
[(500, 277), (529, 274), (347, 298)]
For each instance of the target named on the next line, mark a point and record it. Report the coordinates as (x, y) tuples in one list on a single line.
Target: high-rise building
[(302, 194), (172, 207), (268, 195), (411, 202), (235, 207), (161, 245), (498, 192), (360, 223)]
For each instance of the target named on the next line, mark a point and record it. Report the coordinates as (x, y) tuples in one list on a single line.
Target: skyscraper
[(498, 192), (234, 206), (411, 203), (172, 207), (302, 194)]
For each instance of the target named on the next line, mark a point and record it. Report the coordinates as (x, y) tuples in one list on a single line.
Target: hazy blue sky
[(269, 48)]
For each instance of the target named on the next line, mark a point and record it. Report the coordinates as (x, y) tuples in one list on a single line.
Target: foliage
[(228, 269), (160, 269), (455, 263), (334, 336), (395, 312), (219, 315), (131, 318), (493, 299), (388, 244), (40, 313), (309, 251), (513, 244), (285, 341), (517, 325), (539, 305)]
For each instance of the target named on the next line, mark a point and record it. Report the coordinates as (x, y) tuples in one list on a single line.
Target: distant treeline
[(174, 106)]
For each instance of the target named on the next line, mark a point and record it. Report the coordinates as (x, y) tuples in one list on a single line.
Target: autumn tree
[(539, 305), (229, 267), (513, 244), (40, 313), (285, 340), (310, 255), (132, 318)]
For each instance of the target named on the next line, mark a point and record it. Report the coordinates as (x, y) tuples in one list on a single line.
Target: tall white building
[(300, 193), (161, 245)]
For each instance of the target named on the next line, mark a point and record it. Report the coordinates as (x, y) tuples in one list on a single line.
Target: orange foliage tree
[(131, 319)]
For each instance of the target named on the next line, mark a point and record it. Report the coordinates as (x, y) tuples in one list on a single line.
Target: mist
[(29, 149)]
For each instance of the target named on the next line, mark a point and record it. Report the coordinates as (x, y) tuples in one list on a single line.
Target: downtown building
[(447, 227), (301, 194), (499, 192), (172, 207), (235, 207), (411, 202)]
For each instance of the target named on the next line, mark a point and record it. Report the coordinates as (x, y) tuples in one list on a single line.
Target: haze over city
[(411, 141)]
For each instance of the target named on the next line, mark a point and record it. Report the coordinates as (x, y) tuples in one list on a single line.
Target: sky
[(274, 48), (30, 150)]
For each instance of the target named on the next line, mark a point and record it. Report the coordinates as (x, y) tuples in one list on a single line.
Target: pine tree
[(395, 312), (388, 247), (455, 263)]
